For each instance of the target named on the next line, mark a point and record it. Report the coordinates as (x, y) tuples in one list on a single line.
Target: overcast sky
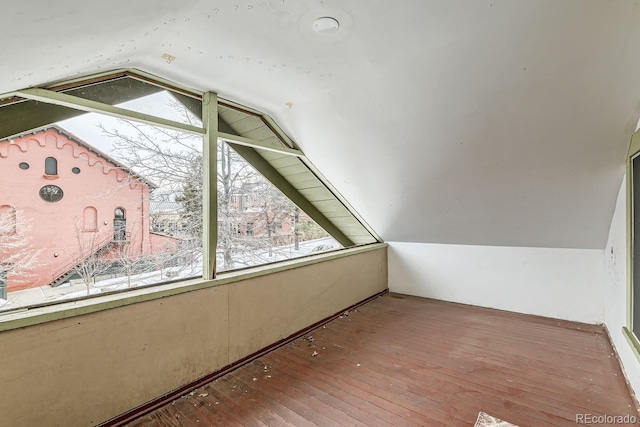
[(86, 125)]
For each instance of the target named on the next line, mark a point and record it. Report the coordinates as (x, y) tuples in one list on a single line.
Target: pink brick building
[(67, 200)]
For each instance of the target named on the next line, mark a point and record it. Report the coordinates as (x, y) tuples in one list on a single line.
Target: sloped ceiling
[(497, 122)]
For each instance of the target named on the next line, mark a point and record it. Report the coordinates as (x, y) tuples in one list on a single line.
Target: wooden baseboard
[(162, 400)]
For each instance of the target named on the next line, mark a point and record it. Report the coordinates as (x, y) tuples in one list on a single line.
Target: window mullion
[(87, 105), (209, 184)]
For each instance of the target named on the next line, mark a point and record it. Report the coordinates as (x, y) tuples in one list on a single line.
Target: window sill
[(21, 318), (50, 177)]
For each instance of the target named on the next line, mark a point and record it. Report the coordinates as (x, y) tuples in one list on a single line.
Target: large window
[(257, 223), (632, 329), (155, 184), (633, 240)]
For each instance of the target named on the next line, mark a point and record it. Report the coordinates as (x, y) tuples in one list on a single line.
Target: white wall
[(616, 289), (559, 283)]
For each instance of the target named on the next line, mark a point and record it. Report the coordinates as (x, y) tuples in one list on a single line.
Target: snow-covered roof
[(165, 207)]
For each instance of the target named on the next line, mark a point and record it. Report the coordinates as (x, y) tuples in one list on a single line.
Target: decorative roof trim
[(88, 147)]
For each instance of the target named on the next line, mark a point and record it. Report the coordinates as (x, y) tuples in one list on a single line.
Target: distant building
[(69, 201), (166, 217), (253, 214)]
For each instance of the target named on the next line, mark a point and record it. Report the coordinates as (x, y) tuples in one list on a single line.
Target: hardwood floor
[(407, 361)]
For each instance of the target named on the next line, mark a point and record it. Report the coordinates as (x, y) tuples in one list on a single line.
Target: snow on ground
[(77, 289), (279, 253)]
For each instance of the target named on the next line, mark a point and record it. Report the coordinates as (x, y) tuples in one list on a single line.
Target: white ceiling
[(497, 122)]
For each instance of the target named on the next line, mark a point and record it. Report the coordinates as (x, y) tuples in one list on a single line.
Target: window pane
[(257, 224), (130, 215), (140, 96), (18, 115), (50, 166), (635, 172)]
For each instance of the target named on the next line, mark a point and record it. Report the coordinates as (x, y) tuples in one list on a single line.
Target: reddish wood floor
[(406, 361)]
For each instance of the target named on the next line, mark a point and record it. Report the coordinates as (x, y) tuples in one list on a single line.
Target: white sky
[(86, 125)]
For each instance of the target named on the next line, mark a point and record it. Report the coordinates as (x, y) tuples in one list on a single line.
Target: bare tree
[(234, 174), (174, 160), (123, 259), (164, 156), (92, 261), (17, 257), (309, 230), (274, 208)]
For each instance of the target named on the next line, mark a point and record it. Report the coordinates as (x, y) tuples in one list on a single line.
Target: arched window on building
[(90, 219), (50, 166), (119, 225)]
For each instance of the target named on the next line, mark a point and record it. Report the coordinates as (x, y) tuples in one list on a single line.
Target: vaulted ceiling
[(496, 122)]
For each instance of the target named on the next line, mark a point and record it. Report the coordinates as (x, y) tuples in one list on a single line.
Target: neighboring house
[(166, 217), (69, 201), (254, 214)]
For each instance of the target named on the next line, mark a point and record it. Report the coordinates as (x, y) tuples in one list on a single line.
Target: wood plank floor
[(407, 361)]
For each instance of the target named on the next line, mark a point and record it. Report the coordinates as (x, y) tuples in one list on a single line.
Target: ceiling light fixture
[(326, 24)]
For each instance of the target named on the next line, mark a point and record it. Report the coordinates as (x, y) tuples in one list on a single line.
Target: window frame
[(633, 337), (51, 166), (52, 94)]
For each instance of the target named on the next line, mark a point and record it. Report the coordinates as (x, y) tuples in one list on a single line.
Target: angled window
[(632, 329), (160, 201), (259, 141), (124, 165), (257, 223)]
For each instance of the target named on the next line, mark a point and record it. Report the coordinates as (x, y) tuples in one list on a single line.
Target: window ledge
[(21, 318)]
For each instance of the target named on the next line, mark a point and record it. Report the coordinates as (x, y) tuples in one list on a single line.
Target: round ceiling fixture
[(326, 24)]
